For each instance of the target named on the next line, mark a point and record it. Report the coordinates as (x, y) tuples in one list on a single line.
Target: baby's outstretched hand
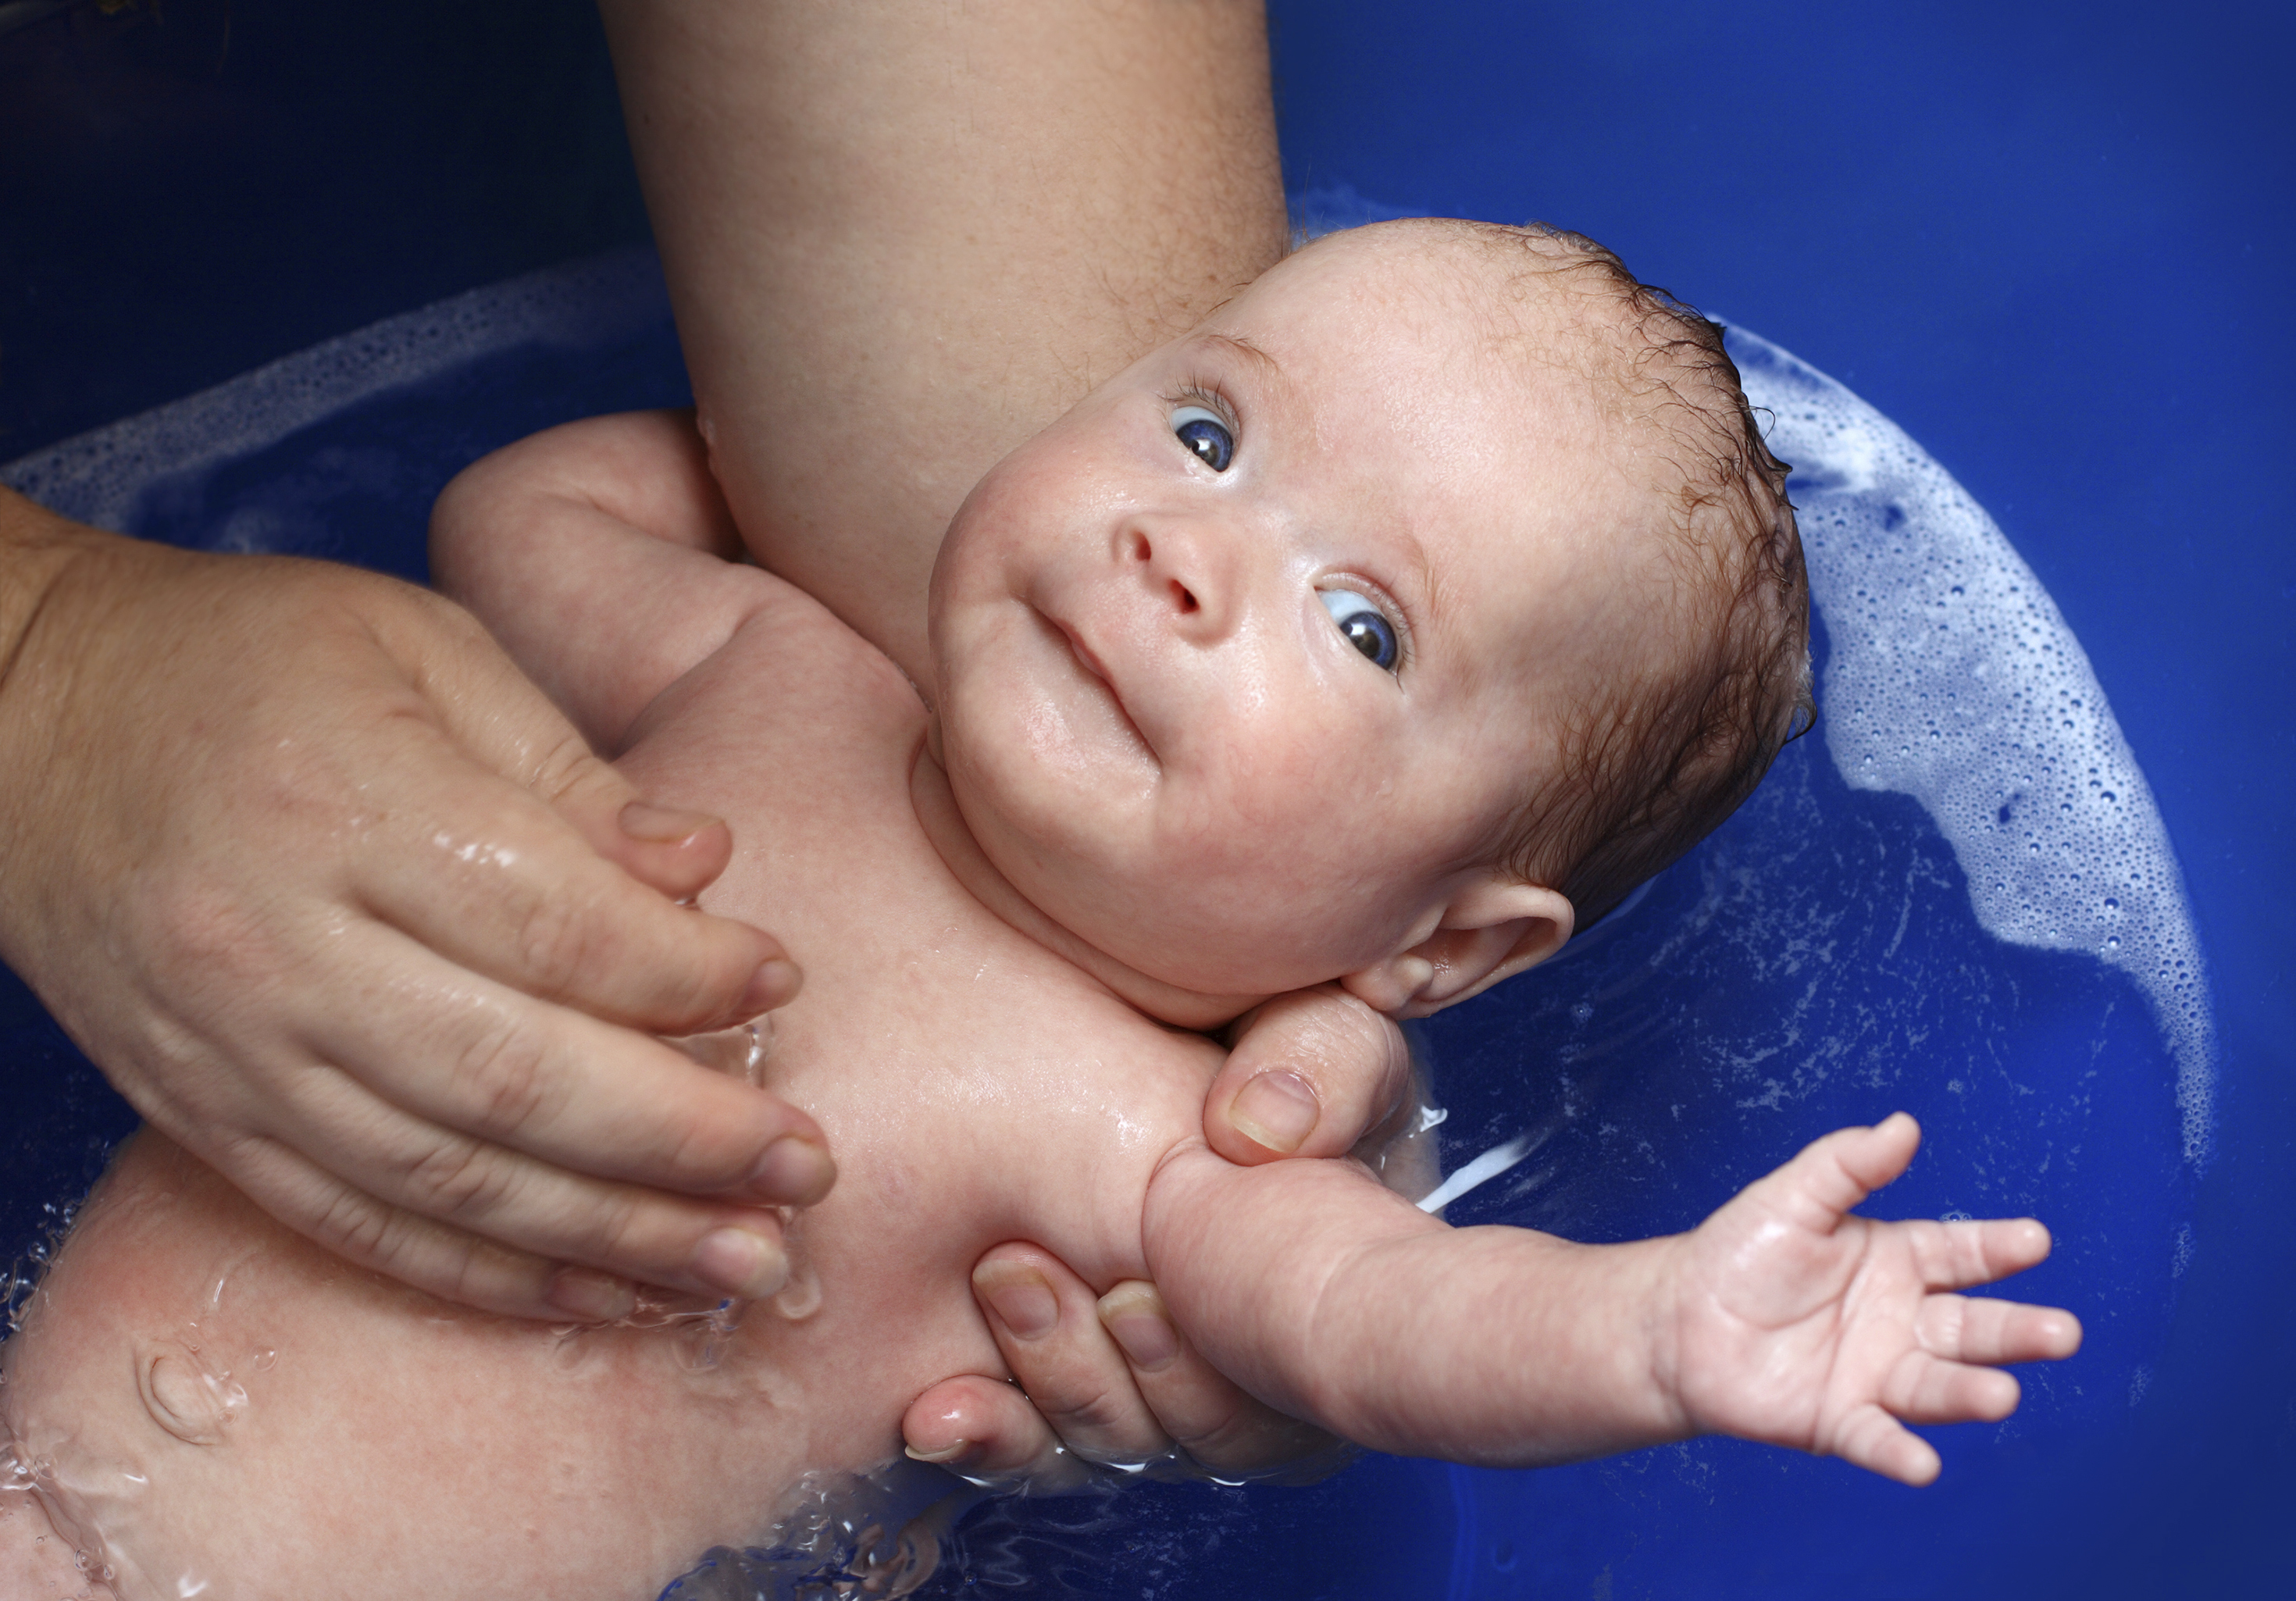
[(1802, 1325)]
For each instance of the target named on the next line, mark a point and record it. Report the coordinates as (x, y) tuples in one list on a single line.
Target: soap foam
[(1954, 680)]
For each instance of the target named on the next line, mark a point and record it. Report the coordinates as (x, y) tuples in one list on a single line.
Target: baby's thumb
[(1839, 1172)]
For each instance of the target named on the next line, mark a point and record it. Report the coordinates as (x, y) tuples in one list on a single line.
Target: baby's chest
[(975, 1088)]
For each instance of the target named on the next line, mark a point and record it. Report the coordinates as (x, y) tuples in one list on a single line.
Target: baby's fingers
[(1955, 1256), (1833, 1175), (1870, 1439), (1960, 1329), (1924, 1389)]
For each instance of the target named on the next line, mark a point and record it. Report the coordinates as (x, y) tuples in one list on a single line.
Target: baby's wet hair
[(1669, 743)]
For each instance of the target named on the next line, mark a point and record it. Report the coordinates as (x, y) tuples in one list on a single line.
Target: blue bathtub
[(2048, 246)]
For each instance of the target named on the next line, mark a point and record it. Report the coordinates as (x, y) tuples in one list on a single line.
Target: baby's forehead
[(1509, 293)]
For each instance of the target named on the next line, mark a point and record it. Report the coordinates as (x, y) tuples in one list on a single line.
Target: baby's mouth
[(1093, 669)]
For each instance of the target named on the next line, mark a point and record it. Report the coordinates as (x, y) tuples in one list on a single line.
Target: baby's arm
[(601, 555), (1782, 1319)]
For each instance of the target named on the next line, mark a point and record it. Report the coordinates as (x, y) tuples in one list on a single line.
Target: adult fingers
[(418, 1171), (449, 1263), (1222, 1429), (1047, 1322), (1960, 1329), (495, 836), (487, 875), (985, 1428), (1312, 1072), (486, 706), (483, 1061)]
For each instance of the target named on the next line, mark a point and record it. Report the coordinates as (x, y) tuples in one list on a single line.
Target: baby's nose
[(1185, 574)]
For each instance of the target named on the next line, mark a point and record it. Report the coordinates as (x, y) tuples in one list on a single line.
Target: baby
[(1348, 651)]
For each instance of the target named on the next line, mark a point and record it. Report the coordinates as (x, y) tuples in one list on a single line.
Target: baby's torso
[(975, 1087), (375, 1443)]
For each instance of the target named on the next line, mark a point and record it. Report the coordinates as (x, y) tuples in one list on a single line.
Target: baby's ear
[(1493, 929)]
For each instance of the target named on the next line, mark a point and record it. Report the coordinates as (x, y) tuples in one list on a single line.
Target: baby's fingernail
[(794, 1171), (774, 984), (592, 1296), (1136, 1320), (1025, 1304), (1277, 1110), (663, 824), (741, 1263)]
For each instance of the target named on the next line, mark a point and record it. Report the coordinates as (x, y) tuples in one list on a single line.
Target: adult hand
[(1308, 1073), (344, 907), (1106, 1379)]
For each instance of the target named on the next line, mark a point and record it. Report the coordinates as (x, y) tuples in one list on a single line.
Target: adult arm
[(343, 906), (901, 238)]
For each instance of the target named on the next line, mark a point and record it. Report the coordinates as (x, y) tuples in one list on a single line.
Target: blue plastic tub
[(2048, 246)]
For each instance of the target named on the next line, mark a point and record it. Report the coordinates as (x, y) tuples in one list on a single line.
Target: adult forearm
[(42, 556), (36, 547), (901, 237)]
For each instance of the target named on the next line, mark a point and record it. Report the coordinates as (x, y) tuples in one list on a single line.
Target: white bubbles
[(99, 476), (1952, 679)]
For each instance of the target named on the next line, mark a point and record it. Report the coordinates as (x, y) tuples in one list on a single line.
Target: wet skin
[(398, 1446)]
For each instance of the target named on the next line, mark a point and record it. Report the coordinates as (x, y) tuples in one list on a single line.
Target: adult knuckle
[(565, 769), (560, 938), (504, 1076), (458, 1178), (355, 1225), (613, 1229)]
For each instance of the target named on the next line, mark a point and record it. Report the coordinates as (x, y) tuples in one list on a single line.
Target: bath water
[(1957, 899)]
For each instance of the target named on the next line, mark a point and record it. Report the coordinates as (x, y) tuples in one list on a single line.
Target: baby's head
[(1431, 594)]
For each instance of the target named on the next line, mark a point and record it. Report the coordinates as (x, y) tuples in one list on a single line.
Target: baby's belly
[(214, 1401)]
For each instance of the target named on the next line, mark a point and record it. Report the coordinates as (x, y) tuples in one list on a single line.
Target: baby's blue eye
[(1204, 433), (1364, 627)]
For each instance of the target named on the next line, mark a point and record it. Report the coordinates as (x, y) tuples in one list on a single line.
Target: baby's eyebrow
[(1245, 347)]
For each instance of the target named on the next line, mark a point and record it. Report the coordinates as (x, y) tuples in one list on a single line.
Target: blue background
[(2048, 241)]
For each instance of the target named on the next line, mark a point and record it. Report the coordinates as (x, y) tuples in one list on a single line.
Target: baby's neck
[(945, 826)]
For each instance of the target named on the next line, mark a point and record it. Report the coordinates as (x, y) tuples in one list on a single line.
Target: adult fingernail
[(590, 1295), (1025, 1304), (1136, 1321), (946, 1454), (794, 1171), (775, 983), (741, 1263), (1277, 1110), (663, 824)]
